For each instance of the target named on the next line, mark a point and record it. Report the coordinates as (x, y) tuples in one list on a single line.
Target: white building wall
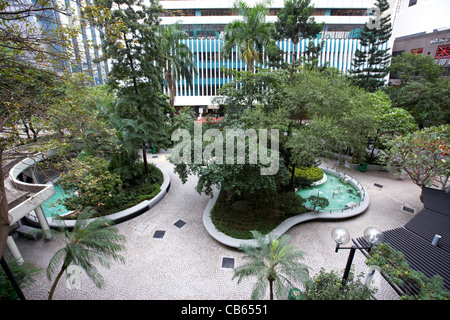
[(425, 16)]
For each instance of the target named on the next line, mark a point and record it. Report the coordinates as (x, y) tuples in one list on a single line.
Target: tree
[(390, 121), (90, 241), (132, 43), (251, 34), (178, 60), (27, 48), (409, 66), (295, 21), (272, 261), (318, 202), (423, 91), (423, 154), (371, 63)]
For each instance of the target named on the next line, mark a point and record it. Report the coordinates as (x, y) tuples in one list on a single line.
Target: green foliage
[(251, 34), (428, 102), (236, 217), (23, 273), (423, 154), (409, 66), (394, 265), (371, 64), (91, 241), (177, 58), (328, 286), (294, 22), (94, 183), (273, 262), (311, 173), (318, 202), (422, 91)]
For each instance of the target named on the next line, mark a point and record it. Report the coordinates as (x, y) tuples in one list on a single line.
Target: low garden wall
[(290, 222)]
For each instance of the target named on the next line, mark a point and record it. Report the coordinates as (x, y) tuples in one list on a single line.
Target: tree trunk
[(144, 157), (4, 219), (292, 178), (271, 288), (52, 289)]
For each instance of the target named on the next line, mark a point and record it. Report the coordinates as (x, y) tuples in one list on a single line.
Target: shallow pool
[(51, 207), (339, 194)]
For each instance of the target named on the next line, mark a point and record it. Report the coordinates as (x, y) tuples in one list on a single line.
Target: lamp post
[(341, 237)]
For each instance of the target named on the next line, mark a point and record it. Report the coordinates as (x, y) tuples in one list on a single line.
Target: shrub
[(94, 183), (327, 286), (310, 173), (23, 273)]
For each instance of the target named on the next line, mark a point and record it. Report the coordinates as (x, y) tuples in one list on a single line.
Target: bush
[(23, 273), (309, 173), (93, 182), (327, 286)]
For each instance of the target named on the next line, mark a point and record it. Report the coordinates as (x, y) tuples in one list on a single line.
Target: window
[(443, 51), (348, 12), (417, 51), (178, 13)]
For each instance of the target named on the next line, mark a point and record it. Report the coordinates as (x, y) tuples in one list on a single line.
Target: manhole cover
[(179, 223), (159, 234), (410, 210), (227, 263)]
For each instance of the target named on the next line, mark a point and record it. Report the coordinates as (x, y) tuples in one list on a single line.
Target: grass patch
[(237, 219)]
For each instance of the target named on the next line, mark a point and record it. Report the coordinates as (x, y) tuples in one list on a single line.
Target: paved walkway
[(186, 263)]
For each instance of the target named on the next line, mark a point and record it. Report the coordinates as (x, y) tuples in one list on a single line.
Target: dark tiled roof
[(414, 239)]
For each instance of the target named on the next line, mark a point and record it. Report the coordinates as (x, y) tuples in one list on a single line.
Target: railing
[(352, 181)]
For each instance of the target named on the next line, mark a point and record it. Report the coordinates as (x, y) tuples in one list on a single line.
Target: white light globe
[(374, 235), (340, 235)]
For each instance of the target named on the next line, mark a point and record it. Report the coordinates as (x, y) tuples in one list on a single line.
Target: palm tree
[(251, 35), (178, 59), (91, 240), (274, 262)]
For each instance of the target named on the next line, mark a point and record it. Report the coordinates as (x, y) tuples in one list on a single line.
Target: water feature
[(340, 195), (51, 207)]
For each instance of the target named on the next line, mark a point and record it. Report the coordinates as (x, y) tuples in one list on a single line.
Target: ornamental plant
[(423, 155), (311, 173), (89, 183)]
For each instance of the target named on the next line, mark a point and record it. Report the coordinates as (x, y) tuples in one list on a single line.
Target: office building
[(423, 27), (205, 22)]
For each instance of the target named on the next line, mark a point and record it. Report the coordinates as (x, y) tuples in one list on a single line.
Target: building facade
[(423, 27), (205, 21)]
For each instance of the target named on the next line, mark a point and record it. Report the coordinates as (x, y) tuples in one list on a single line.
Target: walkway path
[(186, 262)]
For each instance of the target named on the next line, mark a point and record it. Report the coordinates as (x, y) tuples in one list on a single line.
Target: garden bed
[(263, 217)]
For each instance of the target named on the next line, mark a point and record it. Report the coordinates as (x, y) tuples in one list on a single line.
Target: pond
[(51, 207), (339, 195)]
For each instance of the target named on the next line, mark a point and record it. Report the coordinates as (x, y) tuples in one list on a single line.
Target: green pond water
[(338, 193)]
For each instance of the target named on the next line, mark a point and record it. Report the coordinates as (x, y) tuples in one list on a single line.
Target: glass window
[(348, 12), (178, 13)]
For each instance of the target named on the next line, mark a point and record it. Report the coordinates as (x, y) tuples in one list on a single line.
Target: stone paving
[(168, 260)]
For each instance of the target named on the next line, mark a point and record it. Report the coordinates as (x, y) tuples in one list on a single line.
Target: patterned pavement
[(169, 259)]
